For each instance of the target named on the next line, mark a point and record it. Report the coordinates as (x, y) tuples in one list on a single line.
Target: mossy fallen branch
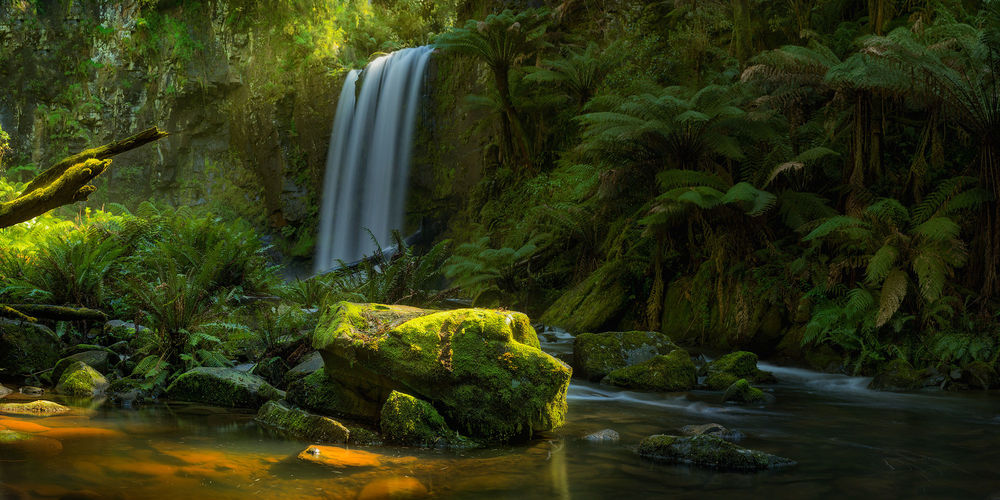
[(59, 313), (68, 181)]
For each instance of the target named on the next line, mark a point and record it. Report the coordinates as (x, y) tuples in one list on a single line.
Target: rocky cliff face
[(249, 110)]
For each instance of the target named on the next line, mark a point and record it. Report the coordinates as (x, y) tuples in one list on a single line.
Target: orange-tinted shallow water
[(849, 443)]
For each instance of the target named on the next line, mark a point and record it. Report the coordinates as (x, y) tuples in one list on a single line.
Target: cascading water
[(368, 166)]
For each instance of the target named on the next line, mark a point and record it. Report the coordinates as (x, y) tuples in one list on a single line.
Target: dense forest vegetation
[(814, 180)]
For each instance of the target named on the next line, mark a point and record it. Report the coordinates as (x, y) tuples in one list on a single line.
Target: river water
[(849, 442)]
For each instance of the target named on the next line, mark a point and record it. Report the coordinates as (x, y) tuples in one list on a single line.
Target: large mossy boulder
[(896, 375), (482, 369), (595, 355), (673, 372), (708, 451), (414, 422), (222, 387), (309, 364), (591, 305), (81, 380), (726, 370), (26, 348), (97, 360), (302, 424), (321, 393)]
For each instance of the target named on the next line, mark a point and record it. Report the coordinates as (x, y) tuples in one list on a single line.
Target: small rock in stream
[(603, 436), (712, 430)]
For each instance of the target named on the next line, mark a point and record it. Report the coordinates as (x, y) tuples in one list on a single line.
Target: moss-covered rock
[(673, 372), (591, 305), (414, 422), (321, 393), (309, 364), (81, 380), (980, 375), (726, 370), (302, 424), (595, 355), (97, 360), (26, 348), (708, 451), (896, 375), (272, 370), (742, 392), (39, 407), (222, 387), (479, 367)]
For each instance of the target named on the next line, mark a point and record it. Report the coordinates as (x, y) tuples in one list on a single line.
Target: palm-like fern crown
[(501, 40), (580, 73)]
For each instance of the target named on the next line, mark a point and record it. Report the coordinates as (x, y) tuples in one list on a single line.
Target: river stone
[(309, 364), (39, 407), (29, 390), (410, 421), (321, 393), (342, 458), (302, 424), (726, 370), (82, 380), (97, 360), (896, 375), (480, 368), (222, 387), (709, 452), (673, 372), (4, 390), (603, 436), (26, 348), (712, 430), (598, 354), (742, 392)]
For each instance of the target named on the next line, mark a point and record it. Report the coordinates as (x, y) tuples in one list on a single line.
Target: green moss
[(896, 375), (321, 393), (595, 355), (95, 359), (411, 421), (302, 424), (591, 305), (726, 370), (26, 348), (708, 451), (673, 372), (484, 381), (79, 379), (222, 387), (742, 392), (40, 407)]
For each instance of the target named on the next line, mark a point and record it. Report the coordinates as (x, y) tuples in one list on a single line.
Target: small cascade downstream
[(368, 164)]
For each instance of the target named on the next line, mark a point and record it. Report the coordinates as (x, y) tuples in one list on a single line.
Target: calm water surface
[(849, 443)]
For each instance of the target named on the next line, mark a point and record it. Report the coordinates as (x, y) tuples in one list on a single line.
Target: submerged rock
[(708, 451), (26, 348), (80, 379), (222, 387), (40, 407), (342, 458), (726, 370), (712, 430), (321, 393), (302, 424), (673, 372), (896, 375), (481, 368), (400, 487), (596, 355), (414, 422), (742, 392), (603, 436), (17, 445)]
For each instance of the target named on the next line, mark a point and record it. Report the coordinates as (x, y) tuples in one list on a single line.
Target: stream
[(849, 442)]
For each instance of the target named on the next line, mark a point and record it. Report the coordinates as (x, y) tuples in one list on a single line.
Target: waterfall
[(368, 165)]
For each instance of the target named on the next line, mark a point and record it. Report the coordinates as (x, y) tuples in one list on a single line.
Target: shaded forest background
[(816, 181)]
